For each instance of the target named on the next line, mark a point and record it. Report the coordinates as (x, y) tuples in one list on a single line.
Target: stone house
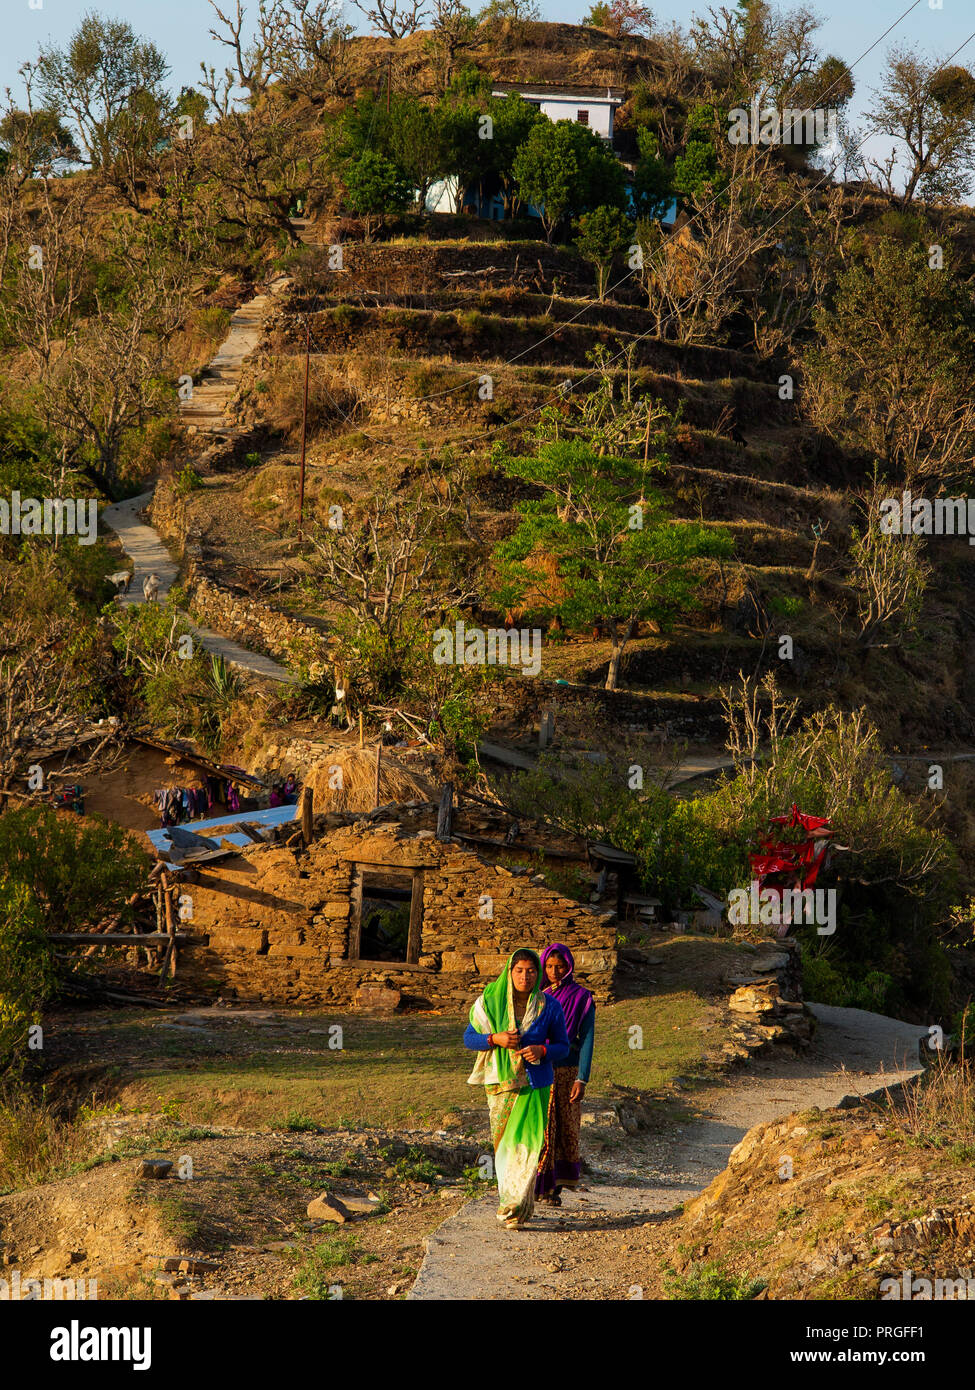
[(379, 915)]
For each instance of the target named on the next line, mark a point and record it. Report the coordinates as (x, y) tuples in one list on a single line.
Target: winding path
[(205, 413), (854, 1052)]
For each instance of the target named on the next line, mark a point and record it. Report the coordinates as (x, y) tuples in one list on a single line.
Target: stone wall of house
[(277, 923)]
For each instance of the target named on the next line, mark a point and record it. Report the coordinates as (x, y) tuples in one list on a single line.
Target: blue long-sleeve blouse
[(580, 1052), (548, 1030)]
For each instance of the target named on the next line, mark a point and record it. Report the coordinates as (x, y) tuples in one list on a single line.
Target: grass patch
[(175, 1216), (315, 1268), (395, 1073), (710, 1281)]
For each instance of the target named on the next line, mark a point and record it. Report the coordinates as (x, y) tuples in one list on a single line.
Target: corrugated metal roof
[(273, 815), (616, 95)]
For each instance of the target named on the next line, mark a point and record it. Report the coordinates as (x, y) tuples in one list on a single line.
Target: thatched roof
[(357, 792)]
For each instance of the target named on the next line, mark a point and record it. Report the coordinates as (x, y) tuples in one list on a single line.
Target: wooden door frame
[(414, 940)]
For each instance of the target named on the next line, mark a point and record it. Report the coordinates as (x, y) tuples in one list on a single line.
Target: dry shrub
[(332, 400), (36, 1143), (937, 1110)]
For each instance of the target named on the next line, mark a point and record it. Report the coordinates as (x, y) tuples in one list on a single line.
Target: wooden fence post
[(307, 798), (445, 814)]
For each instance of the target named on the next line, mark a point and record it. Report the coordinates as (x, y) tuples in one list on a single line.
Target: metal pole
[(304, 435)]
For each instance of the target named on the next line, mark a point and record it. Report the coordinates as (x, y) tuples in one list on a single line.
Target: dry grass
[(35, 1141), (937, 1110), (358, 781)]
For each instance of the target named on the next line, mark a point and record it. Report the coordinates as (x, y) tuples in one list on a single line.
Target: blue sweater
[(548, 1030), (580, 1053)]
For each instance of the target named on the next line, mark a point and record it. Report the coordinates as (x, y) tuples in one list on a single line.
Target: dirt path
[(206, 414), (148, 554), (580, 1250)]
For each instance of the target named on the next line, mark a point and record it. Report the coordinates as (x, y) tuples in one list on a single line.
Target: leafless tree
[(45, 266), (391, 563), (694, 278), (757, 50), (756, 714), (888, 577), (302, 43), (454, 29), (36, 681), (395, 21)]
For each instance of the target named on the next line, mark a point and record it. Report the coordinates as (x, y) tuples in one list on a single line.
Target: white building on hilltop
[(592, 107), (589, 106)]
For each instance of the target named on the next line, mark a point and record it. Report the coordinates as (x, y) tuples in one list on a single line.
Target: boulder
[(379, 998), (156, 1167), (327, 1207)]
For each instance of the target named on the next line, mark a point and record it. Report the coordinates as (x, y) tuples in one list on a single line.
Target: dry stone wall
[(278, 923), (246, 620)]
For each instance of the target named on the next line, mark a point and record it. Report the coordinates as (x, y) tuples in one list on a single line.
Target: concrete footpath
[(854, 1052)]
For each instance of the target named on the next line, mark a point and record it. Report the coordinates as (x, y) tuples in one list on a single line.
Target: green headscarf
[(494, 1012)]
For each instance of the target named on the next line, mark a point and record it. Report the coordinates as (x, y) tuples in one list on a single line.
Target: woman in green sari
[(519, 1034)]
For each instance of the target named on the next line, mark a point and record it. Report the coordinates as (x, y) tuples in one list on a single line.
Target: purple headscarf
[(576, 1001)]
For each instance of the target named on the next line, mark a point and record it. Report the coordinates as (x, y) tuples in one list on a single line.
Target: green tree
[(652, 179), (513, 121), (468, 156), (562, 167), (110, 83), (618, 556), (32, 140), (76, 872), (601, 234), (417, 144), (893, 373), (26, 972), (698, 169), (375, 187)]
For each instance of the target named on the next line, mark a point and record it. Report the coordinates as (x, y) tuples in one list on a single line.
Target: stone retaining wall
[(248, 621)]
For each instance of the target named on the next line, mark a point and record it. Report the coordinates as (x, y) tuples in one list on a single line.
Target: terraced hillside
[(401, 343)]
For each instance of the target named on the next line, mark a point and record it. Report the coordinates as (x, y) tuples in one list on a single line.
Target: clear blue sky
[(180, 28)]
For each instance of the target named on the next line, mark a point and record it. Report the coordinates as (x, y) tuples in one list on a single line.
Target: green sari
[(518, 1111)]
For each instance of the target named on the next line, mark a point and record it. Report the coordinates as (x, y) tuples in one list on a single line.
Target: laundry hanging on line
[(179, 804)]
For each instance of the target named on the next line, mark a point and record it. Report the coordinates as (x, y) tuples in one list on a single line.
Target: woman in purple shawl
[(559, 1165)]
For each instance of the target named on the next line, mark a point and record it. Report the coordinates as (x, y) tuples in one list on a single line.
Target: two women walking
[(518, 1029)]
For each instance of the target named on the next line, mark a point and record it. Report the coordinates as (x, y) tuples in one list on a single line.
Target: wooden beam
[(578, 855), (445, 813), (413, 940), (147, 938), (355, 915), (307, 821)]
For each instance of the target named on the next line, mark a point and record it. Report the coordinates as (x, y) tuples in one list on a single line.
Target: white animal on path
[(150, 587), (121, 579)]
